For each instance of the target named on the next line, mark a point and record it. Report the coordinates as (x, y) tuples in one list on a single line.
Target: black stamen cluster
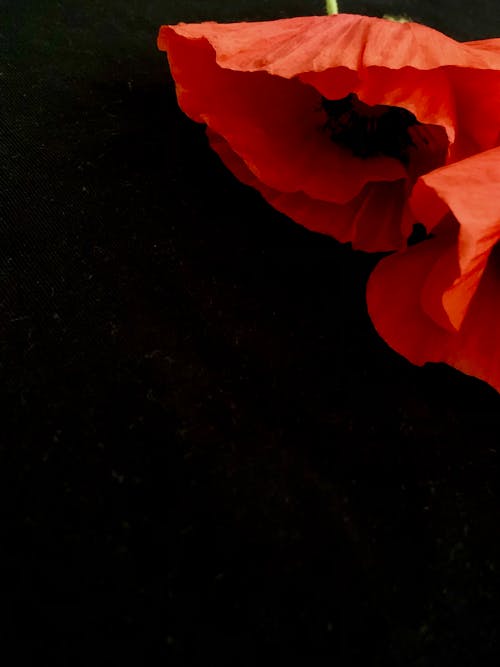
[(369, 131)]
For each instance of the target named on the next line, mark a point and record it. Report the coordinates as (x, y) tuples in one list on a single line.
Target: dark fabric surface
[(207, 453)]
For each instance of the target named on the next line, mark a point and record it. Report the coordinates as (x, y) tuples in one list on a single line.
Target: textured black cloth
[(206, 452)]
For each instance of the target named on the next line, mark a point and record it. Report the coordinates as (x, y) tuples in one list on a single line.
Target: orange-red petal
[(470, 191), (289, 47), (393, 295)]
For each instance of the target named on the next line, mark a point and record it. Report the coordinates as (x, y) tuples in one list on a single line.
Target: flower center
[(369, 131)]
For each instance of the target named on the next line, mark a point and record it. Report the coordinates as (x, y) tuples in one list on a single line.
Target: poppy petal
[(393, 296), (394, 302), (354, 221), (289, 47), (469, 190), (477, 101), (492, 45), (428, 94), (476, 350)]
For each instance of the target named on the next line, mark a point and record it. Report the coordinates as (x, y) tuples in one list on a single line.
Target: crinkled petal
[(288, 47), (492, 45)]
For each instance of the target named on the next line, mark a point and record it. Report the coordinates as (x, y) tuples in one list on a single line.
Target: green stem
[(332, 7)]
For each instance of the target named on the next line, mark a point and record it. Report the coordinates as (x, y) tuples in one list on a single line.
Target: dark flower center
[(418, 234), (369, 131)]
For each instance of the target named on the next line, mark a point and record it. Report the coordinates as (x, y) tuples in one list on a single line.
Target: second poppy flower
[(438, 300)]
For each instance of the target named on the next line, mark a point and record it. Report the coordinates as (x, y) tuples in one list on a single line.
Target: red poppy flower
[(438, 300), (333, 118)]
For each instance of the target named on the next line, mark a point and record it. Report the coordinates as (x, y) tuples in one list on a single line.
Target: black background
[(207, 453)]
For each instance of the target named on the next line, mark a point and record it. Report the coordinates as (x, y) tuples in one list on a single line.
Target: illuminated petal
[(288, 47), (470, 191)]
